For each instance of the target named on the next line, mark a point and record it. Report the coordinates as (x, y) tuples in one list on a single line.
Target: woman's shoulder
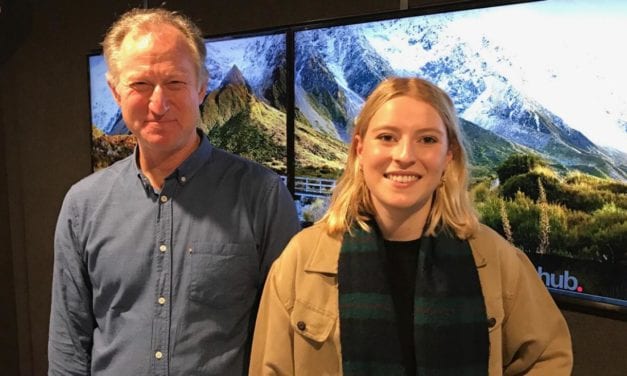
[(487, 235), (489, 247), (310, 257), (488, 241), (310, 246)]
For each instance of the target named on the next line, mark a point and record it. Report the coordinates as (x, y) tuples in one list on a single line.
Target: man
[(160, 259)]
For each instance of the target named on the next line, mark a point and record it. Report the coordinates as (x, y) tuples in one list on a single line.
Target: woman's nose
[(405, 152)]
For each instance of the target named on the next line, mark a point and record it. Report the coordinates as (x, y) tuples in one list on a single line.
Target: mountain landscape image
[(541, 99), (337, 67), (544, 120)]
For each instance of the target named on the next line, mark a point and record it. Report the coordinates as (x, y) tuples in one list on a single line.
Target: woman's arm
[(536, 340), (272, 348)]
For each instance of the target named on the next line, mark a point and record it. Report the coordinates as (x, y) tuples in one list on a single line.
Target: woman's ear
[(359, 147)]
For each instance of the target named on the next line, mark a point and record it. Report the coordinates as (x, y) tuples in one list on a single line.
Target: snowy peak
[(234, 77)]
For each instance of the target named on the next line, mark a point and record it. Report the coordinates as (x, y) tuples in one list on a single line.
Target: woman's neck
[(402, 224)]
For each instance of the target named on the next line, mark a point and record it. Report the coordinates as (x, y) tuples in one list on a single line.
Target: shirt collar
[(187, 169), (196, 160)]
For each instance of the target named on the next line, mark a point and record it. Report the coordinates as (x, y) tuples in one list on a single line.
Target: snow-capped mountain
[(258, 58), (336, 68), (236, 120)]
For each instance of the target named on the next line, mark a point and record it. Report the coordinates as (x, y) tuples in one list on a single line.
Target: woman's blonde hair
[(450, 209), (145, 20)]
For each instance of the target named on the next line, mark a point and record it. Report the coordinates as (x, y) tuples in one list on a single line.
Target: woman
[(399, 277)]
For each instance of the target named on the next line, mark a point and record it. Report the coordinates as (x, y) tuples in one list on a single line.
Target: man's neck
[(158, 166)]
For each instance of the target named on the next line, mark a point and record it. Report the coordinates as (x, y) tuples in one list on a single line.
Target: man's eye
[(176, 85), (141, 87)]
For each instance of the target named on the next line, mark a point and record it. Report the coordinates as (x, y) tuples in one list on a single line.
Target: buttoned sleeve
[(536, 339), (71, 319)]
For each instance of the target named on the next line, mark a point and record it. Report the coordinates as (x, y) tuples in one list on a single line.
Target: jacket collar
[(326, 253)]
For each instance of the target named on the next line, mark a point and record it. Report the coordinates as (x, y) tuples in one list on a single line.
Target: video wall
[(541, 96)]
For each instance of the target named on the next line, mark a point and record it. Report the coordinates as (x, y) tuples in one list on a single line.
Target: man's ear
[(114, 91), (202, 93)]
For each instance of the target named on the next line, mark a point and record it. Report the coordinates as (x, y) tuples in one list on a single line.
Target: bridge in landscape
[(306, 186)]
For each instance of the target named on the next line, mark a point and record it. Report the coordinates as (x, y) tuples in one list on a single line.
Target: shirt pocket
[(223, 275), (310, 322)]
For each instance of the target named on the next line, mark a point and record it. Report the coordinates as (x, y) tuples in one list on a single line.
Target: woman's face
[(403, 155)]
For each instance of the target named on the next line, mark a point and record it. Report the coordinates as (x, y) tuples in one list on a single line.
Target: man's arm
[(280, 224), (71, 319)]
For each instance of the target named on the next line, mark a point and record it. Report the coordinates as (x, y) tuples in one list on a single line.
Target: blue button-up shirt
[(165, 283)]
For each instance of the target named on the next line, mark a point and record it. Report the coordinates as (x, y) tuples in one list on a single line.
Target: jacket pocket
[(311, 322), (223, 275)]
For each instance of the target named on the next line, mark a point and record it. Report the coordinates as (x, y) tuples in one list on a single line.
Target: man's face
[(158, 90)]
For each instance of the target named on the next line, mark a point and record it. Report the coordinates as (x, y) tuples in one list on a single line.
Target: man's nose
[(159, 103)]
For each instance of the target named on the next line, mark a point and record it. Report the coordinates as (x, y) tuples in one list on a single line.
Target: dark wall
[(8, 319), (45, 141)]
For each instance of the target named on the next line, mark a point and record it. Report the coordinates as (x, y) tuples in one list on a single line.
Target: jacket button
[(491, 322), (301, 325)]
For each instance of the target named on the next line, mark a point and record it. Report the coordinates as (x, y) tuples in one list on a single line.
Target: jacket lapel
[(325, 255)]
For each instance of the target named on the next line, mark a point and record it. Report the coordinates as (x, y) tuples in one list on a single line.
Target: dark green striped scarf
[(450, 325)]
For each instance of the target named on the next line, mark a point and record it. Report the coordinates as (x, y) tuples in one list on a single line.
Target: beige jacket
[(297, 329)]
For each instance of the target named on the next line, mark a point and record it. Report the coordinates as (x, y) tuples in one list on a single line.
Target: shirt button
[(301, 325), (183, 179), (161, 300), (158, 355), (163, 247), (164, 198)]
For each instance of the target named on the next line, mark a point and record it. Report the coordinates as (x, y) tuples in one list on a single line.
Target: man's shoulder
[(244, 168), (101, 179)]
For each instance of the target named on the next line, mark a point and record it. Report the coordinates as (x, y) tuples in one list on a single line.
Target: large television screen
[(244, 111), (541, 93)]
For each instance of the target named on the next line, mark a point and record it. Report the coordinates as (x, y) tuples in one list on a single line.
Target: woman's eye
[(429, 140), (385, 137)]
